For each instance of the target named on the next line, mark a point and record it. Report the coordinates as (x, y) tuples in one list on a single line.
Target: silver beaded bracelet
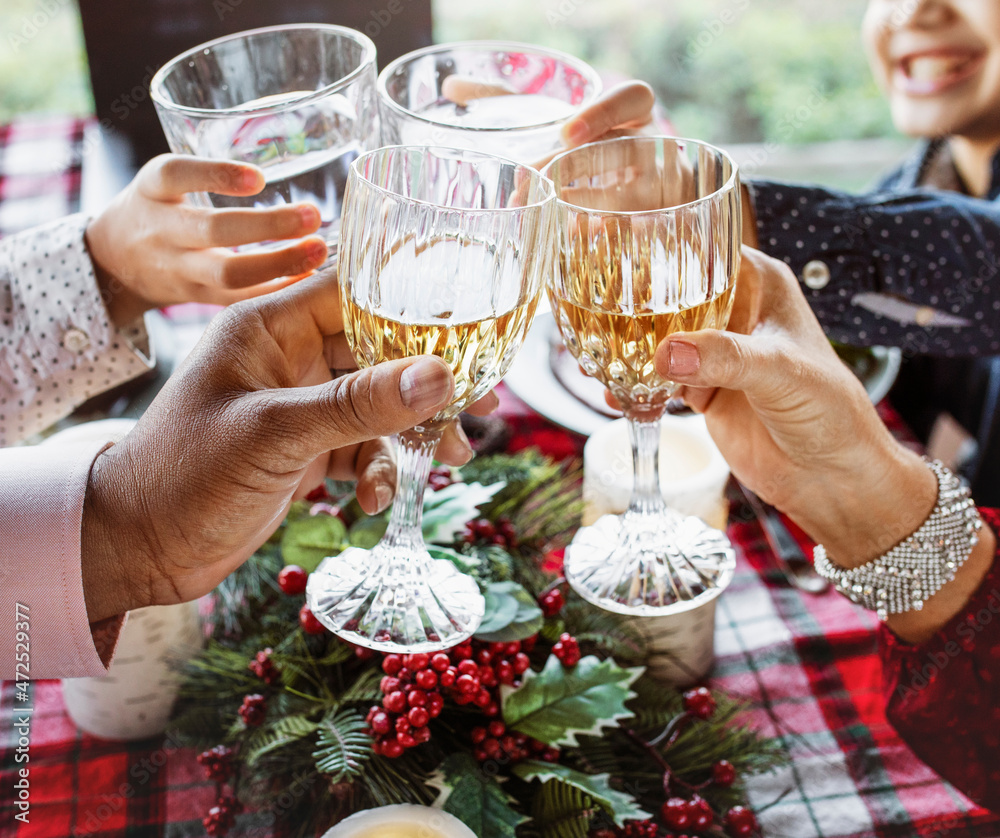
[(917, 568)]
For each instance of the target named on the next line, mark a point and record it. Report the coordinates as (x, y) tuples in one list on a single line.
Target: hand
[(248, 422), (798, 428), (150, 248), (624, 109)]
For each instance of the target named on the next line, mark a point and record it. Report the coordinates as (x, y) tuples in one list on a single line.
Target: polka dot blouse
[(58, 346), (906, 266)]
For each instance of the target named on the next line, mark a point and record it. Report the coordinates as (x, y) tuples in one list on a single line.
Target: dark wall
[(128, 40)]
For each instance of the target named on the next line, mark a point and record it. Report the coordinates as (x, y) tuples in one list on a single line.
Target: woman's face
[(939, 63)]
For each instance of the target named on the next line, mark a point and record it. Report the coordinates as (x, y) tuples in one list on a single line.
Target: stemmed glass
[(443, 252), (492, 96), (648, 245), (298, 101)]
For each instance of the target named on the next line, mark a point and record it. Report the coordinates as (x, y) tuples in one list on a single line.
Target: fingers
[(486, 405), (170, 176), (380, 401), (463, 89), (375, 470), (228, 271), (454, 448), (627, 105), (194, 227)]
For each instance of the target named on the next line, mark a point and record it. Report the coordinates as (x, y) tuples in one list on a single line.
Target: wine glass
[(648, 244), (493, 96), (443, 252), (298, 101)]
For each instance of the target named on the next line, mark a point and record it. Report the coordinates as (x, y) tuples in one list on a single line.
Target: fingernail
[(309, 216), (383, 496), (316, 251), (684, 358), (424, 384), (577, 131)]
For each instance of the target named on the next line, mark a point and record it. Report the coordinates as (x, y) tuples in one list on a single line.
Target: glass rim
[(582, 66), (454, 150), (157, 84), (731, 182)]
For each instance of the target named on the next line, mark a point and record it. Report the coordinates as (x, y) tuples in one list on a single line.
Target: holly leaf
[(474, 797), (307, 541), (620, 806), (556, 704), (511, 614), (446, 512), (367, 532)]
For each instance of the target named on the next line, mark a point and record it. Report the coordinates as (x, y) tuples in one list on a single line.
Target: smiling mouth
[(931, 73)]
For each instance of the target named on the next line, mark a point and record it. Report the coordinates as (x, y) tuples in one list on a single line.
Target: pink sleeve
[(41, 585)]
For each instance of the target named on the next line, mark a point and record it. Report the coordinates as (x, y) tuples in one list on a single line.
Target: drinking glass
[(493, 96), (648, 245), (443, 252), (298, 101)]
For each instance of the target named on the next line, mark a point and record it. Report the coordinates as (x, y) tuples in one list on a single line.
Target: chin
[(921, 122)]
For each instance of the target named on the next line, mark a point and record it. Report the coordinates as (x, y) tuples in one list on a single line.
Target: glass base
[(377, 599), (649, 565)]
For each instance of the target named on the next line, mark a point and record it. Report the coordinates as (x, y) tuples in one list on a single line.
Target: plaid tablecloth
[(806, 664)]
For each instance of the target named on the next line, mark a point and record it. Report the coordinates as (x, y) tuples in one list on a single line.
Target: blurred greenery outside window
[(768, 72)]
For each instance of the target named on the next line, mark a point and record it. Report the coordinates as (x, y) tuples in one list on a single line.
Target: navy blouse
[(903, 265)]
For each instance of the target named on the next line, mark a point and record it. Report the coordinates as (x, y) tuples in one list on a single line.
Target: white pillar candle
[(693, 473), (401, 821)]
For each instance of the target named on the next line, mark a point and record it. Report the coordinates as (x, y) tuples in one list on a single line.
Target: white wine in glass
[(649, 246), (443, 252)]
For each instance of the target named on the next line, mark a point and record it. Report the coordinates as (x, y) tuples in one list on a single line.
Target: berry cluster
[(217, 762), (680, 814), (493, 742), (567, 649), (741, 822), (410, 699), (440, 478), (699, 703), (222, 816), (253, 710), (484, 531), (552, 602), (263, 667)]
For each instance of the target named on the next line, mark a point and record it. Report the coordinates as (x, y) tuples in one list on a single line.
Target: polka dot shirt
[(58, 346), (925, 259)]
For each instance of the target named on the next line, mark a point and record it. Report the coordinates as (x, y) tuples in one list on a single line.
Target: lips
[(930, 73)]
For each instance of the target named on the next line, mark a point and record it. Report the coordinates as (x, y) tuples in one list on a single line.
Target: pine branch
[(562, 811), (343, 749)]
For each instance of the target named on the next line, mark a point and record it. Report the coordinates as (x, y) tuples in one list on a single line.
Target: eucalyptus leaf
[(307, 541), (619, 805), (511, 614), (558, 703), (447, 511), (474, 797)]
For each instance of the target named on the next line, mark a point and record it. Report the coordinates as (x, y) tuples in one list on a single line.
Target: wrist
[(123, 304), (110, 554)]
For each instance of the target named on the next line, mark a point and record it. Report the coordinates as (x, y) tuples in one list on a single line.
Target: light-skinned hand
[(152, 248), (250, 421)]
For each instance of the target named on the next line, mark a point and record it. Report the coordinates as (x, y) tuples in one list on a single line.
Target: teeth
[(933, 68)]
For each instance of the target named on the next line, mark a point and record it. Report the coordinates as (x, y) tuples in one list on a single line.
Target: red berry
[(483, 656), (468, 667), (741, 822), (448, 677), (380, 723), (701, 813), (491, 710), (699, 702), (463, 651), (402, 724), (488, 677), (318, 494), (675, 813), (391, 664), (528, 644), (416, 698), (395, 702), (478, 735), (421, 734), (467, 685), (310, 624), (483, 698), (388, 684), (292, 579), (552, 602), (440, 662), (505, 672), (406, 740), (427, 679), (492, 747), (435, 703), (497, 729), (417, 661), (392, 749), (723, 773), (253, 710), (521, 663), (418, 716)]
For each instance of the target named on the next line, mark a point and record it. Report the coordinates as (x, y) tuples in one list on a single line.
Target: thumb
[(305, 422), (757, 365)]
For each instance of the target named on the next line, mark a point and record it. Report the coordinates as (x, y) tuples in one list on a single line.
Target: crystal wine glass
[(298, 101), (443, 252), (492, 96), (648, 245)]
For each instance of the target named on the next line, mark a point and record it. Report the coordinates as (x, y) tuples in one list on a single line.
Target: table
[(806, 665)]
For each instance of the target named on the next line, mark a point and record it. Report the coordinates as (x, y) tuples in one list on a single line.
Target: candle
[(693, 473), (401, 821)]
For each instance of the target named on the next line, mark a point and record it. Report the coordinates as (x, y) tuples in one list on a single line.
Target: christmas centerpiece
[(543, 724)]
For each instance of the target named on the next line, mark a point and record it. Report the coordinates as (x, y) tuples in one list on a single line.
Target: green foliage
[(562, 810), (447, 511), (556, 704), (511, 614), (620, 806), (342, 747), (475, 798), (307, 541), (282, 733)]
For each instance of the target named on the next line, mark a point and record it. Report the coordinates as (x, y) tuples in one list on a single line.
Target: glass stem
[(644, 433), (415, 455)]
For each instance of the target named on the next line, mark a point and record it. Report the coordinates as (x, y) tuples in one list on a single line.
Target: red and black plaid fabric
[(807, 665)]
